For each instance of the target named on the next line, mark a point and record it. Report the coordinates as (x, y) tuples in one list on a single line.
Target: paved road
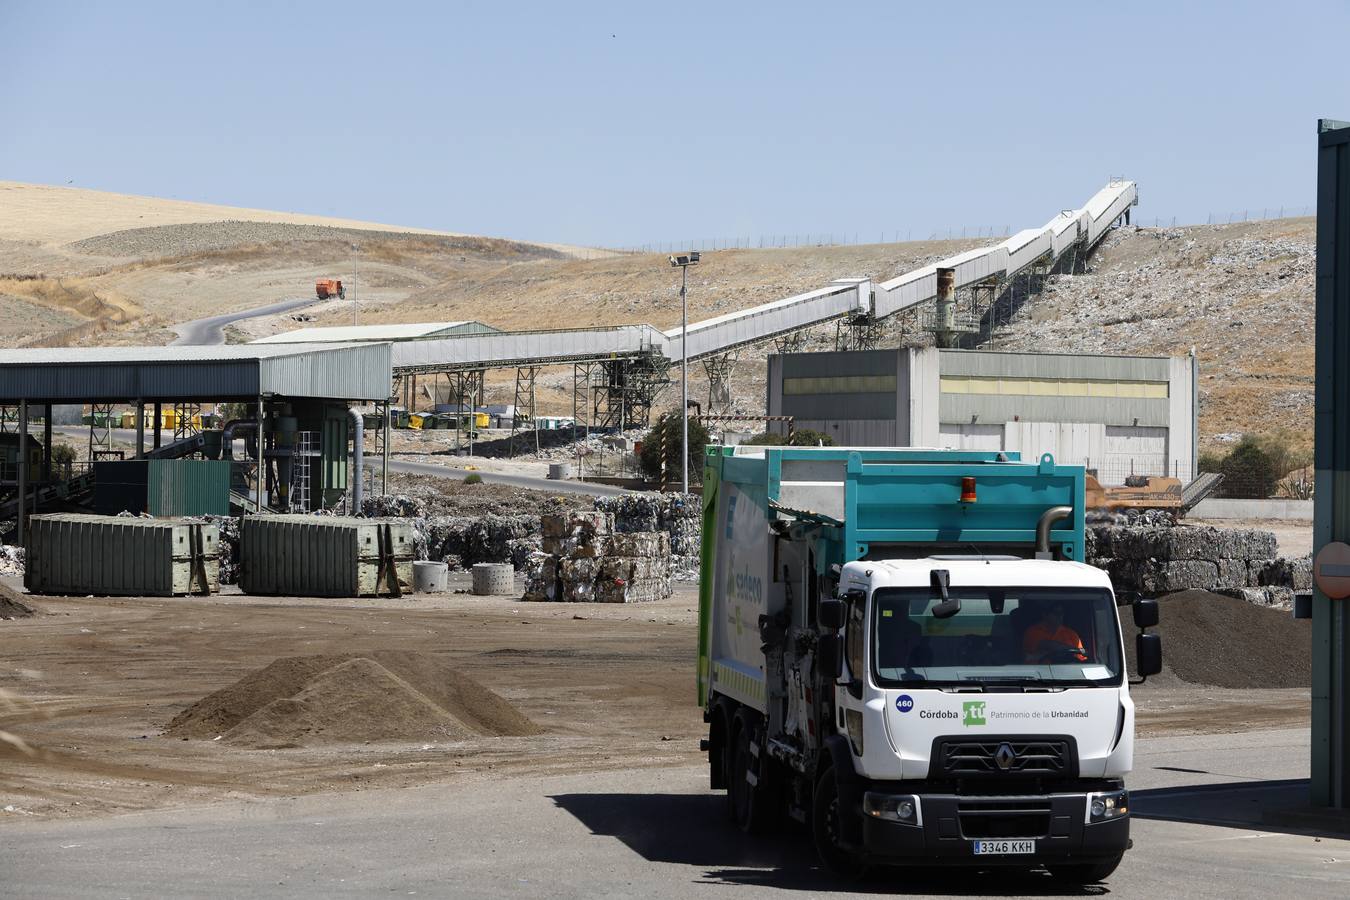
[(212, 330), (522, 481), (655, 833), (372, 461)]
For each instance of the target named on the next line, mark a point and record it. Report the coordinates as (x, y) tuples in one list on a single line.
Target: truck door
[(849, 695)]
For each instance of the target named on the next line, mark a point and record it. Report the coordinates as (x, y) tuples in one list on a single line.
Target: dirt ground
[(610, 686)]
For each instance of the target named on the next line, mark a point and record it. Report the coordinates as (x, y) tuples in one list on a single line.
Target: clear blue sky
[(623, 123)]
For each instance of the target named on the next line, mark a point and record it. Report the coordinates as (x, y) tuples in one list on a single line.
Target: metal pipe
[(227, 436), (1049, 518), (684, 380), (23, 468), (358, 457)]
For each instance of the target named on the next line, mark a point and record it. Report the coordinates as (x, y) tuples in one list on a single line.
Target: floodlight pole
[(684, 380)]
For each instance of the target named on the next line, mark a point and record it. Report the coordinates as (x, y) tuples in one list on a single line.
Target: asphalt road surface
[(521, 481), (373, 462), (212, 330), (659, 833)]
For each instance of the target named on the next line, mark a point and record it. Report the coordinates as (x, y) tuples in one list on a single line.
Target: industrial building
[(291, 413), (1117, 415)]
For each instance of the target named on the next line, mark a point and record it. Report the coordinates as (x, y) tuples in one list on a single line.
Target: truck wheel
[(747, 800), (1084, 873), (825, 814)]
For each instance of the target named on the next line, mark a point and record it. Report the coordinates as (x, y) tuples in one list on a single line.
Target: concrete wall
[(1217, 508)]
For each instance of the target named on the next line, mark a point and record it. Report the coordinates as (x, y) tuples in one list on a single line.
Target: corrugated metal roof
[(410, 331), (357, 371)]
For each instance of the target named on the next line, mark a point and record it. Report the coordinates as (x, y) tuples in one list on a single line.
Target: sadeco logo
[(974, 713), (904, 703)]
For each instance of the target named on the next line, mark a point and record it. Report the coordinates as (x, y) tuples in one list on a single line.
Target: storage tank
[(325, 556), (80, 553)]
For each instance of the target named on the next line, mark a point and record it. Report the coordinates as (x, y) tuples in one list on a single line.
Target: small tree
[(803, 438), (63, 459), (660, 456)]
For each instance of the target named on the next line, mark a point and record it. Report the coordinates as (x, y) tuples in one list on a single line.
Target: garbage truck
[(903, 650)]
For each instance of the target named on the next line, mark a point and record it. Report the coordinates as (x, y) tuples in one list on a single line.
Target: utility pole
[(355, 260), (684, 261)]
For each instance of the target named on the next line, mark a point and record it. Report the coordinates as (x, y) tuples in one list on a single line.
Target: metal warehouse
[(1118, 415), (288, 404)]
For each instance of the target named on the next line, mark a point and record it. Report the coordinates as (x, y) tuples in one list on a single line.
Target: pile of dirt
[(385, 695), (11, 607), (1221, 641)]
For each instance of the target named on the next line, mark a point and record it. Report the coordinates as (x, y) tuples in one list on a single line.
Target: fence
[(823, 239), (964, 232), (1295, 485), (1251, 214)]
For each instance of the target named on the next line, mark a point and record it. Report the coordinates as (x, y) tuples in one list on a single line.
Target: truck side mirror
[(1148, 654), (829, 662), (1145, 613), (830, 614)]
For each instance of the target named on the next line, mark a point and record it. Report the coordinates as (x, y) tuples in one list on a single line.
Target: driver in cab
[(1050, 640)]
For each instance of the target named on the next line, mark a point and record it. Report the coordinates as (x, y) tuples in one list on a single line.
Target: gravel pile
[(1225, 642), (207, 237)]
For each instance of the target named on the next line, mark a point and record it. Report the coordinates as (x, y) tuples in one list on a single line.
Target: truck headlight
[(903, 808), (1107, 806)]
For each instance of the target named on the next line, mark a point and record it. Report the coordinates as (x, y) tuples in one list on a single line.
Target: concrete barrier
[(1216, 508)]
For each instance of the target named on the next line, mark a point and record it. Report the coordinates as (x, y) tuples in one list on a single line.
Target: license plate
[(1003, 848)]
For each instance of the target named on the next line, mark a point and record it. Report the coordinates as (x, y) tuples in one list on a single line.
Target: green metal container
[(325, 556), (188, 487), (77, 553)]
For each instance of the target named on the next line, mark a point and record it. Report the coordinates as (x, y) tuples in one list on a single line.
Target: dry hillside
[(82, 267)]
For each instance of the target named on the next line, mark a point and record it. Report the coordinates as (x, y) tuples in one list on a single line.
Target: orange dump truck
[(329, 287)]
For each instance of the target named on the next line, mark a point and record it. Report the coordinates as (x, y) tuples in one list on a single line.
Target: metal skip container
[(79, 553), (325, 556)]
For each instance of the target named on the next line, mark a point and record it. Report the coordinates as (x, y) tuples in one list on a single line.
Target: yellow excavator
[(1152, 492)]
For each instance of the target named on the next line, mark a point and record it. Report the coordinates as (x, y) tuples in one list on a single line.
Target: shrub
[(803, 438), (473, 478), (1258, 466), (660, 456), (63, 459)]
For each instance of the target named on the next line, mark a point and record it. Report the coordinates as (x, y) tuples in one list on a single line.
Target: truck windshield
[(1002, 637)]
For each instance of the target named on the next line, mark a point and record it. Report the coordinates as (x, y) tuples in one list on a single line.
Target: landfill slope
[(379, 696)]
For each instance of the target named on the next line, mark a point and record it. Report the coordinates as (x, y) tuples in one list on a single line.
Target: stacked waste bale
[(461, 541), (678, 515), (582, 560), (1242, 563)]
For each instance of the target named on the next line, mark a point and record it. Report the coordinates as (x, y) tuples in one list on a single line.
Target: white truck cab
[(985, 710)]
